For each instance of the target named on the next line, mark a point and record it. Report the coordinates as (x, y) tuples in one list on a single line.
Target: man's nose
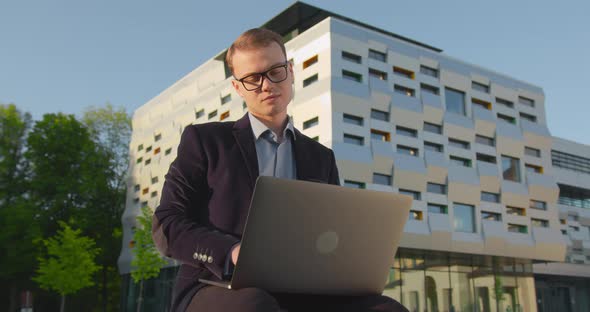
[(266, 84)]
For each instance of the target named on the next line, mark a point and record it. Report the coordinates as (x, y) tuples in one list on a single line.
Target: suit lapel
[(245, 139), (303, 160)]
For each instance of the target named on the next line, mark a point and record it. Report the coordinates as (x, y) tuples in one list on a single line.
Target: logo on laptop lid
[(327, 242)]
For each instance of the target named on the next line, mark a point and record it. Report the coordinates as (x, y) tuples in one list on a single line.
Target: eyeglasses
[(274, 74)]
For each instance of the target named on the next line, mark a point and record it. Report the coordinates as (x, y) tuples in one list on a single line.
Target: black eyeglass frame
[(264, 74)]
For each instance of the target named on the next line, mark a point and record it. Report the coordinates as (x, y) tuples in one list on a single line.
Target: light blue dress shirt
[(275, 158)]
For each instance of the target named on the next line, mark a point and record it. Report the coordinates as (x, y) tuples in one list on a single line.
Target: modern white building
[(501, 211)]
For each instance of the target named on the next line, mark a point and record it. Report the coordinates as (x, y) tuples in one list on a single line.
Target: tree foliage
[(70, 262), (147, 261)]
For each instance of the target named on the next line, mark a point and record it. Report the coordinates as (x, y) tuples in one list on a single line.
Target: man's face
[(271, 99)]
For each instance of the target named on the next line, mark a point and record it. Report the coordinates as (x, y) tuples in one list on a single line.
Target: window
[(244, 105), (429, 71), (574, 228), (506, 118), (404, 90), (309, 80), (480, 87), (212, 114), (458, 143), (154, 180), (145, 191), (491, 216), (351, 57), (354, 184), (490, 197), (436, 188), (376, 55), (528, 117), (352, 119), (316, 138), (148, 161), (403, 72), (157, 151), (199, 114), (429, 146), (572, 217), (352, 76), (434, 128), (481, 103), (380, 135), (382, 179), (532, 151), (455, 100), (517, 228), (139, 160), (510, 168), (464, 218), (573, 196), (570, 161), (436, 208), (154, 194), (406, 131), (143, 203), (533, 168), (225, 99), (526, 101), (379, 115), (310, 61), (401, 149), (311, 123), (353, 139), (504, 102), (537, 204), (136, 200), (148, 149), (140, 147), (539, 222), (484, 140), (460, 161), (377, 74), (158, 137), (515, 211), (168, 151), (415, 195), (224, 115), (429, 89), (136, 187), (485, 158), (416, 215)]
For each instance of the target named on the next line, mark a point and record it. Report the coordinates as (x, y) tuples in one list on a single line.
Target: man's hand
[(235, 252)]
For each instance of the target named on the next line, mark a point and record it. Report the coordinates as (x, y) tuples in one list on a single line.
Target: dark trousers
[(213, 299)]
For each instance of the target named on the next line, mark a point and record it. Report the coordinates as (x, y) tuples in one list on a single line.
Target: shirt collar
[(258, 128)]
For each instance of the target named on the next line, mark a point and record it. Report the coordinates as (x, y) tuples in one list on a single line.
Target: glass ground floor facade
[(434, 281)]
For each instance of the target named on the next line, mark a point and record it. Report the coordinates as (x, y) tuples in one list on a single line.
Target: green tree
[(66, 171), (147, 261), (69, 264), (110, 129), (16, 214)]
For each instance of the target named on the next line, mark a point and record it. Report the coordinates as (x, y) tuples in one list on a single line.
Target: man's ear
[(291, 72), (236, 85)]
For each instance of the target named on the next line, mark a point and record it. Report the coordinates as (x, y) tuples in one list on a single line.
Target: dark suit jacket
[(206, 197)]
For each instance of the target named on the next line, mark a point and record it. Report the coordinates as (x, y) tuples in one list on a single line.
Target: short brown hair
[(253, 39)]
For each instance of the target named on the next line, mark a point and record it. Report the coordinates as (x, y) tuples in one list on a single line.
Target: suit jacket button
[(210, 259)]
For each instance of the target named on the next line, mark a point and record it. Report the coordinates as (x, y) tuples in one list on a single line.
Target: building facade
[(501, 212)]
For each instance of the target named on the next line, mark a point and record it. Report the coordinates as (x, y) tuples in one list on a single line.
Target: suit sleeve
[(181, 229), (334, 178)]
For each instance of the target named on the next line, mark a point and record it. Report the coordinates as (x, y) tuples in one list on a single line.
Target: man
[(206, 195)]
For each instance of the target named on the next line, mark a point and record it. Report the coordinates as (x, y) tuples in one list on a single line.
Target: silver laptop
[(314, 238)]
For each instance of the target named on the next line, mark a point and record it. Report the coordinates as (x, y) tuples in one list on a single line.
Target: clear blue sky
[(68, 55)]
